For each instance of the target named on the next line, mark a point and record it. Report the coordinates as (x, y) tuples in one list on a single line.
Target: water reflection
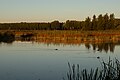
[(102, 46), (95, 43), (28, 61), (27, 37)]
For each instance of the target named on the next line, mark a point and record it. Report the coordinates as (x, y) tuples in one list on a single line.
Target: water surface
[(38, 61)]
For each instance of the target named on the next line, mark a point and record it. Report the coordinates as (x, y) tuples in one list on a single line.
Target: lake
[(46, 60)]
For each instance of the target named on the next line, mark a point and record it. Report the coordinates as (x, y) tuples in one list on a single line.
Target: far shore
[(95, 33), (65, 36), (71, 32)]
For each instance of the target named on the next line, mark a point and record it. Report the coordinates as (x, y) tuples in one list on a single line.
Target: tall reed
[(110, 71)]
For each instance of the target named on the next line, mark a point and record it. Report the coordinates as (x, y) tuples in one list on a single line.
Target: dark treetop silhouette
[(102, 22)]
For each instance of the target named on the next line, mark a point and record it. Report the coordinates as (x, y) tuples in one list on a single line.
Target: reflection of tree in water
[(102, 47), (112, 47), (94, 46), (27, 37), (87, 46), (7, 37)]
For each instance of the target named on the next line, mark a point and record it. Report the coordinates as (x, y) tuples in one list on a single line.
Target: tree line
[(102, 22)]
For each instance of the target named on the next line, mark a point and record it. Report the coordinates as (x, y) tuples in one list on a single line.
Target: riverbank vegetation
[(102, 22), (109, 71), (7, 37)]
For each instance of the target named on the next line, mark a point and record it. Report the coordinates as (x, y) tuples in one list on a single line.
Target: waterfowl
[(98, 57), (56, 49)]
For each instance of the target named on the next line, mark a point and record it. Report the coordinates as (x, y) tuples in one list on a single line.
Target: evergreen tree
[(94, 23), (100, 22), (112, 22), (87, 24), (106, 22)]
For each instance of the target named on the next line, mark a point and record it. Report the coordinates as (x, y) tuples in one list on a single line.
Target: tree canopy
[(102, 22)]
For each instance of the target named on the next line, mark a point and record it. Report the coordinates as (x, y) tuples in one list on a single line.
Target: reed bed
[(110, 71)]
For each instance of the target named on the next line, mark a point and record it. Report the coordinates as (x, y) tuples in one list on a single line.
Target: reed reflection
[(97, 43)]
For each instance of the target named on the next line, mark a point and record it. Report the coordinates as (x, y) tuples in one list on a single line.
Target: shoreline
[(67, 36)]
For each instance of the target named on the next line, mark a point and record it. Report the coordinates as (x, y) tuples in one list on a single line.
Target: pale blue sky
[(50, 10)]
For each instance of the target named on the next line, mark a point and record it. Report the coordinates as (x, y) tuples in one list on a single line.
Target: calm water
[(39, 61)]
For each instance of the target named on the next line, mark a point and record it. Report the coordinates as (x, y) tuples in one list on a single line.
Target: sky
[(50, 10)]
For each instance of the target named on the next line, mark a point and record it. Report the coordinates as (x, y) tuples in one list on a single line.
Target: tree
[(55, 25), (112, 22), (94, 23), (106, 22), (100, 22), (67, 25), (87, 24)]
